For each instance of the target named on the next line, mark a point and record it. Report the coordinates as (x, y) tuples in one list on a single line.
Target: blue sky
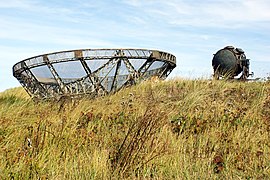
[(192, 30)]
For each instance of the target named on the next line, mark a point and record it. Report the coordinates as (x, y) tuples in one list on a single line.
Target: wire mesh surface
[(90, 72)]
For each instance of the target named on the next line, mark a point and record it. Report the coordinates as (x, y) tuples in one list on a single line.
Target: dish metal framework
[(90, 72)]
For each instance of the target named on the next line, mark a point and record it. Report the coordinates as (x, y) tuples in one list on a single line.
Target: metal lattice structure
[(90, 72)]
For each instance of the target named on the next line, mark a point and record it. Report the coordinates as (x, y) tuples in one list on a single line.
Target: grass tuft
[(175, 129)]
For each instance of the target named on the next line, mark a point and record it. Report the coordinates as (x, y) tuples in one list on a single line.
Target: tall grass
[(176, 129)]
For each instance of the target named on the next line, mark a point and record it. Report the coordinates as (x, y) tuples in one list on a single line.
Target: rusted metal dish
[(91, 72)]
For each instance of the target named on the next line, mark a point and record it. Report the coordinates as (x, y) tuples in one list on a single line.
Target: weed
[(175, 129)]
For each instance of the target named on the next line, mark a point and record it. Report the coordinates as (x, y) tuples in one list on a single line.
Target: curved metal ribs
[(90, 71)]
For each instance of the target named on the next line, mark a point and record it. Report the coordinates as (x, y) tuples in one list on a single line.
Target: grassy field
[(176, 129)]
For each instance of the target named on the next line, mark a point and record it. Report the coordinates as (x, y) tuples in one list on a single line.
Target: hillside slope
[(177, 129)]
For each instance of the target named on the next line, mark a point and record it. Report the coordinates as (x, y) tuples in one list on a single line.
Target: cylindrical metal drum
[(230, 62)]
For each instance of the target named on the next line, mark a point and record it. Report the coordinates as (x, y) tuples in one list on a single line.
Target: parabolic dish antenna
[(90, 72)]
